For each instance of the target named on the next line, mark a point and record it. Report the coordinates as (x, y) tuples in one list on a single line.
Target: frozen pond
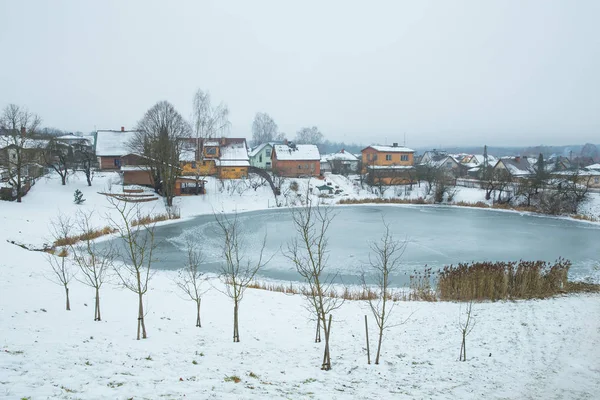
[(436, 236)]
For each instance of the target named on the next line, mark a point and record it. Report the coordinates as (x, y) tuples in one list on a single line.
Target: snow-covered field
[(527, 349)]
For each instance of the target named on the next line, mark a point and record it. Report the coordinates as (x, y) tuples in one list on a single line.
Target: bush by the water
[(503, 280)]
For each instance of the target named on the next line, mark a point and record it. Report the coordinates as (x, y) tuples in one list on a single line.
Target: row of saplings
[(132, 260)]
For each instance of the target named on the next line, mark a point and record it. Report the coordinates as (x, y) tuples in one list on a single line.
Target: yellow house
[(226, 158)]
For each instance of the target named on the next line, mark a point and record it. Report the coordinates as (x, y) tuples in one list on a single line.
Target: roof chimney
[(285, 141), (518, 158), (122, 129), (395, 145), (342, 151)]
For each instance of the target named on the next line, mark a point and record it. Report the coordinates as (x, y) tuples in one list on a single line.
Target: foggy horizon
[(446, 75)]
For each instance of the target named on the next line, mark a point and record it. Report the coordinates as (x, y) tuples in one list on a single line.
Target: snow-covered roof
[(383, 167), (113, 143), (135, 168), (232, 163), (187, 154), (517, 166), (212, 143), (594, 166), (301, 152), (29, 143), (342, 156), (71, 137), (233, 155), (258, 149), (392, 149), (440, 161), (581, 172), (234, 151)]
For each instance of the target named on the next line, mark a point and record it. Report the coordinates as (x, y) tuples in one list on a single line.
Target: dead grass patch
[(503, 280), (419, 200), (90, 235)]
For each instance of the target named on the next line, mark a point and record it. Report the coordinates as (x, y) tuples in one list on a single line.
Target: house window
[(260, 158), (404, 157), (268, 164), (211, 151), (268, 153), (388, 157), (299, 166), (194, 165), (368, 157), (596, 180), (117, 162)]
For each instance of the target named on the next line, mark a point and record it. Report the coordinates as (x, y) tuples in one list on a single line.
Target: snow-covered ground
[(524, 349)]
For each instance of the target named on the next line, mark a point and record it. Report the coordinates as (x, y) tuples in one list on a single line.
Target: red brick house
[(296, 160), (111, 146)]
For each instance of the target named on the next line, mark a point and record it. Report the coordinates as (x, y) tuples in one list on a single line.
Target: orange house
[(388, 165), (296, 160), (226, 158)]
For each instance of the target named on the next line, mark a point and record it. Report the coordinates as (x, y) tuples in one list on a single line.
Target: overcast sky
[(443, 72)]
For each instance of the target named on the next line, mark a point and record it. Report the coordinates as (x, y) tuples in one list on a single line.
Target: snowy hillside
[(525, 349)]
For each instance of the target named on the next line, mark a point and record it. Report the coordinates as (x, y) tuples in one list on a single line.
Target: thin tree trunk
[(97, 313), (464, 347), (368, 349), (198, 314), (141, 324), (68, 302), (236, 332), (318, 333), (326, 356)]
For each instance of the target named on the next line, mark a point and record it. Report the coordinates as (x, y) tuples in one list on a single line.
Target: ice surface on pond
[(437, 236)]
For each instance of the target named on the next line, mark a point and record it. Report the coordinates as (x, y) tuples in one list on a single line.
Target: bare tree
[(385, 261), (94, 261), (62, 272), (238, 271), (466, 323), (136, 253), (309, 135), (20, 151), (264, 129), (59, 157), (191, 278), (85, 159), (309, 253), (209, 121), (158, 140)]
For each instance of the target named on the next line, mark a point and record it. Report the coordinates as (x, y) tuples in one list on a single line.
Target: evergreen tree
[(78, 197)]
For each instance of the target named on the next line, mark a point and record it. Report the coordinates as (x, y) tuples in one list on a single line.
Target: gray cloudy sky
[(443, 72)]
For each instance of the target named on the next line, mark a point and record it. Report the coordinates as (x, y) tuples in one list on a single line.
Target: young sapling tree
[(309, 254), (384, 261), (238, 271), (62, 271), (136, 254), (466, 323), (94, 261), (191, 278)]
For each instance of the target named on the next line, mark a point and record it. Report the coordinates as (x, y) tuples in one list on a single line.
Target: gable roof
[(300, 152), (517, 166), (233, 155), (28, 143), (259, 148), (342, 156), (113, 143), (390, 149)]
